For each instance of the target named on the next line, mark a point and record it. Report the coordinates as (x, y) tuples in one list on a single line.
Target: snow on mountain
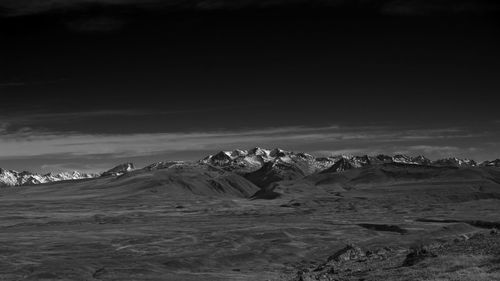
[(239, 160), (162, 165), (246, 161), (323, 163), (272, 164), (279, 162), (381, 159), (492, 163), (309, 164), (359, 161), (421, 160), (455, 162), (119, 170), (404, 159), (341, 165), (15, 178), (259, 152)]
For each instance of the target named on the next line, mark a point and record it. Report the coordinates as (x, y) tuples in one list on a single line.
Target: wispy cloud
[(347, 151), (438, 151), (34, 143), (432, 148), (76, 166), (28, 142), (3, 126)]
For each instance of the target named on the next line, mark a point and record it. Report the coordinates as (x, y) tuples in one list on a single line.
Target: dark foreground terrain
[(398, 224)]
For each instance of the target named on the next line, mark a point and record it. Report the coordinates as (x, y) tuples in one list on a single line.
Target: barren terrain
[(146, 227)]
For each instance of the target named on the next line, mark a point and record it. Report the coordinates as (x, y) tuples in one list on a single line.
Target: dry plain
[(117, 229)]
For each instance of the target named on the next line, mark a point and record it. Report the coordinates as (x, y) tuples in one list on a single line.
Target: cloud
[(430, 149), (348, 151), (46, 151), (442, 151), (76, 166), (35, 143), (28, 142), (3, 126)]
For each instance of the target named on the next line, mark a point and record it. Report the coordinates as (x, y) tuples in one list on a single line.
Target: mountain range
[(15, 178), (260, 166)]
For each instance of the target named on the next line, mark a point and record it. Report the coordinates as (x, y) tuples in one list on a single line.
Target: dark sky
[(89, 84)]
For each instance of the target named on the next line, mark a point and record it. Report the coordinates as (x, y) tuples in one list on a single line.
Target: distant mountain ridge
[(15, 178), (251, 160), (261, 166)]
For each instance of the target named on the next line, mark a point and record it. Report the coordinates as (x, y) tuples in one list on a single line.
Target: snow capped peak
[(278, 152), (221, 158), (259, 151), (226, 155), (344, 156), (341, 165), (222, 155), (15, 178), (455, 162), (355, 161), (305, 155), (248, 161), (162, 165), (422, 160), (403, 159), (238, 153), (381, 159), (492, 163), (242, 161)]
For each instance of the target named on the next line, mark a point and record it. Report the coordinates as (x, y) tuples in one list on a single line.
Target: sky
[(86, 85)]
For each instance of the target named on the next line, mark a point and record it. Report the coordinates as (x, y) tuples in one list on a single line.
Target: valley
[(200, 222)]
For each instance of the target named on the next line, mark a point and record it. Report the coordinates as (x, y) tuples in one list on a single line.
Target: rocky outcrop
[(348, 253)]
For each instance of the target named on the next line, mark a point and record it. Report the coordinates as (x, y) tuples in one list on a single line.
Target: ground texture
[(95, 230)]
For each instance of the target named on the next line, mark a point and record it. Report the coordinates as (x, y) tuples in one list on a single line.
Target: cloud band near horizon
[(321, 141)]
